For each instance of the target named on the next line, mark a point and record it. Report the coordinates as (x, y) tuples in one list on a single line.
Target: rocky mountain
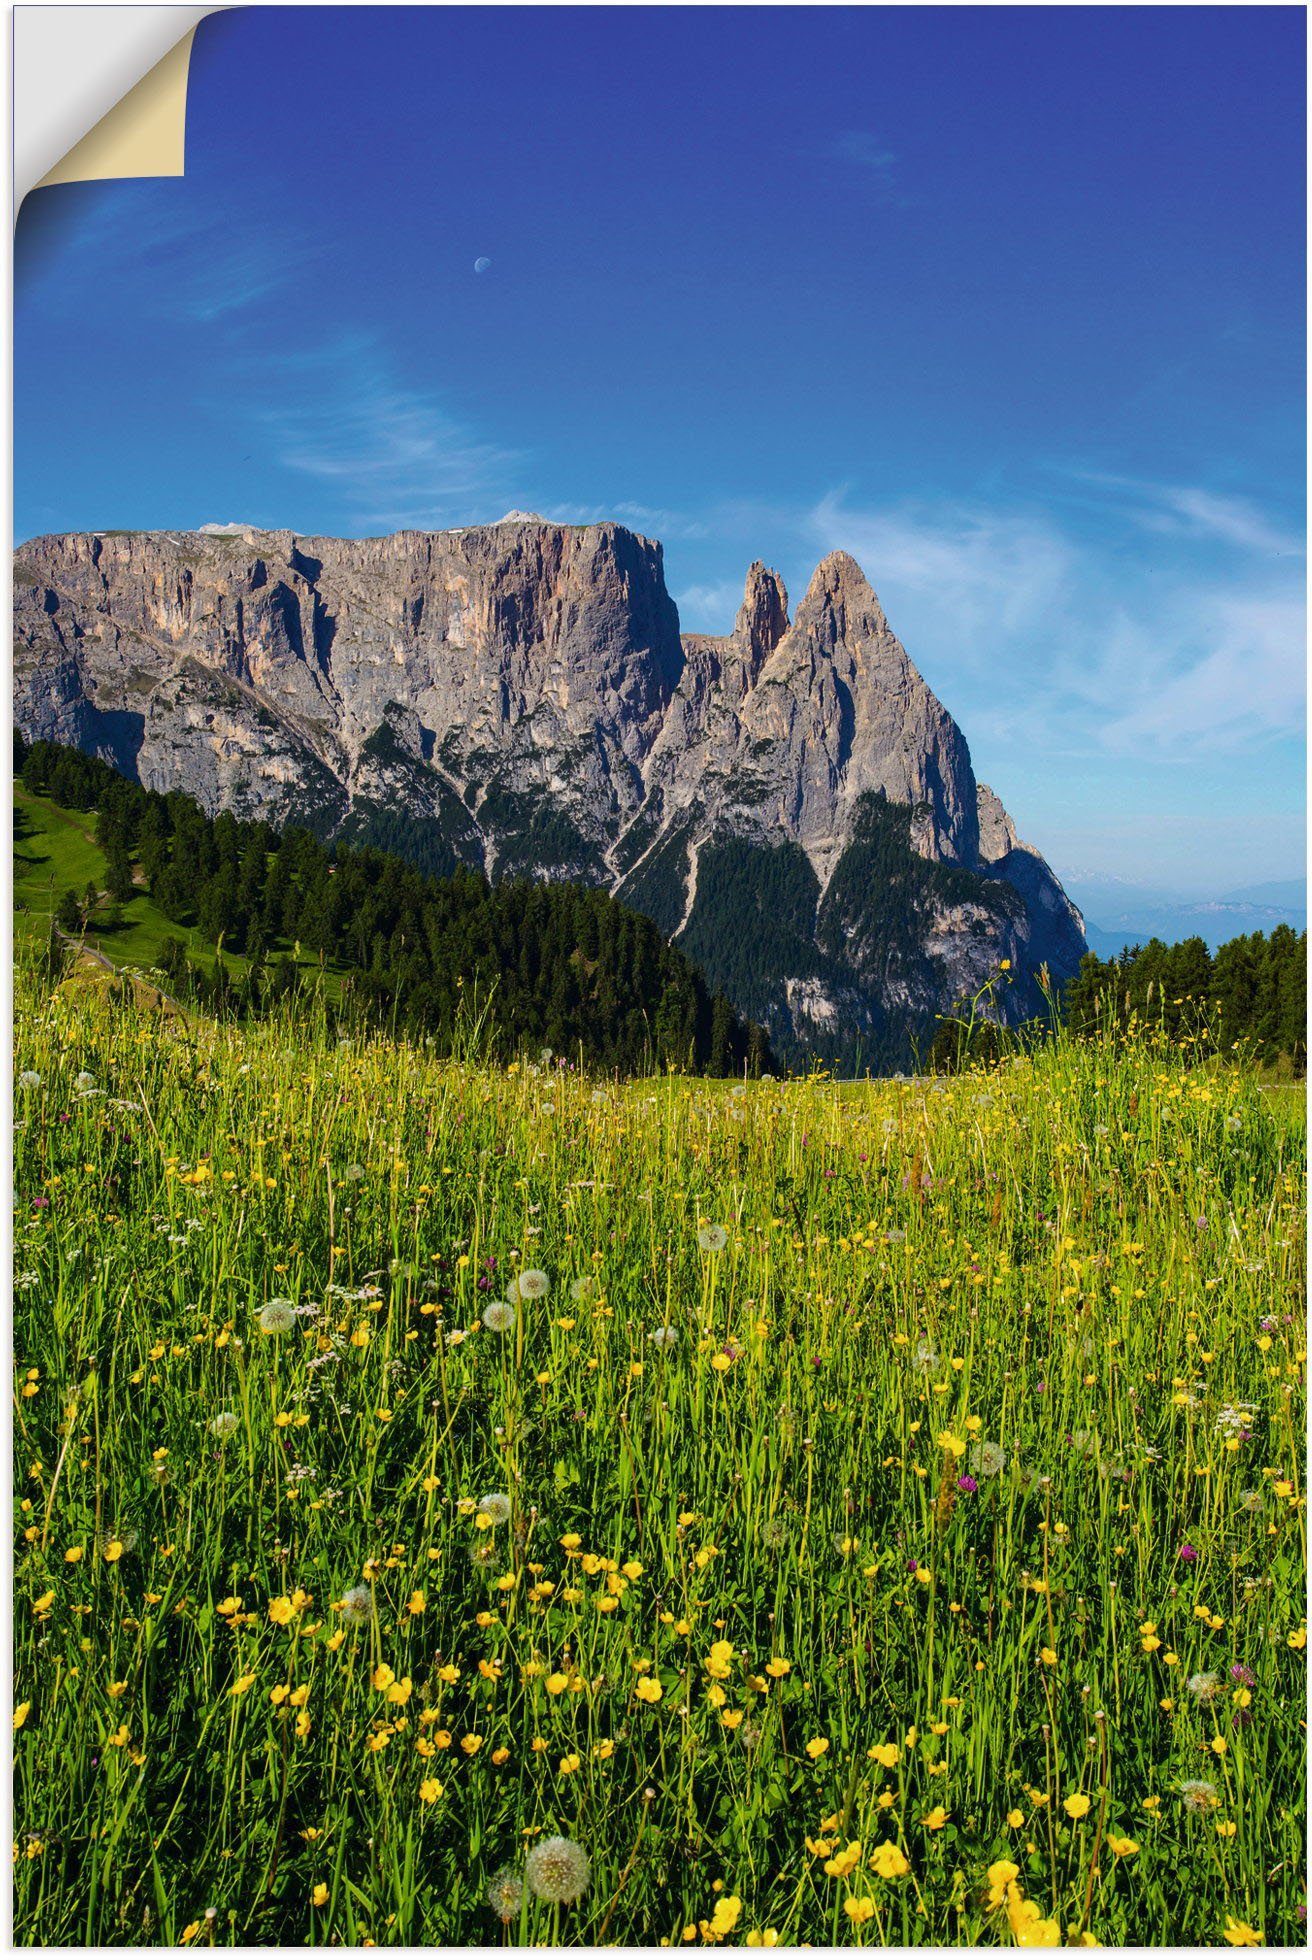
[(791, 801)]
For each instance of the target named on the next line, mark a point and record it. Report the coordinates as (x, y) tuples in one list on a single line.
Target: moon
[(481, 265)]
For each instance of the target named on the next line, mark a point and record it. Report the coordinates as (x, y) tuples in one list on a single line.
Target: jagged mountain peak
[(763, 616), (518, 696)]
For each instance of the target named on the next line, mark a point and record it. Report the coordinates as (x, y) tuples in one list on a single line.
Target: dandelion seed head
[(987, 1459), (356, 1606), (558, 1870), (496, 1505), (712, 1238), (223, 1424), (505, 1893), (499, 1316), (277, 1317)]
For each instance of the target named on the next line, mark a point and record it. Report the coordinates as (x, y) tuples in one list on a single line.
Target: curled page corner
[(100, 92)]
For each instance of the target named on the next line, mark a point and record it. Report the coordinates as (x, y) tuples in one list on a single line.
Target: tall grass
[(966, 1485)]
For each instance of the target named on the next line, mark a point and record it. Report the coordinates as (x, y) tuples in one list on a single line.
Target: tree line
[(561, 965), (1250, 994)]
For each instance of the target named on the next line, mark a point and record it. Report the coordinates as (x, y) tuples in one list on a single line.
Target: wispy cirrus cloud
[(1065, 649), (193, 268), (651, 522), (338, 412), (864, 149), (1191, 511)]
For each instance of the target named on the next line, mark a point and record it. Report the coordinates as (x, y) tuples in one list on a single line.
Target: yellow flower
[(73, 1554), (648, 1689), (21, 1714), (113, 1551), (1238, 1934), (884, 1753), (1015, 1818), (241, 1684), (1077, 1806), (723, 1919), (429, 1790), (816, 1748), (844, 1862), (382, 1676), (1298, 1638), (859, 1910), (416, 1604), (888, 1861), (281, 1611), (471, 1744), (319, 1896), (568, 1765), (1002, 1873), (1121, 1847), (1048, 1656), (119, 1737), (1219, 1745), (778, 1667), (936, 1819)]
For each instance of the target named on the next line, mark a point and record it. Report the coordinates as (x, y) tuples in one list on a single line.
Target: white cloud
[(652, 523), (863, 148), (709, 608), (1069, 643), (340, 415)]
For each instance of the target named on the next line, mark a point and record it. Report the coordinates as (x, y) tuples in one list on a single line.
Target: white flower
[(356, 1606), (499, 1315), (505, 1893), (496, 1506), (558, 1870), (277, 1317), (712, 1238), (532, 1284)]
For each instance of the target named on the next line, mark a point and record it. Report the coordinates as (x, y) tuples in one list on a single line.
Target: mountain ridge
[(519, 697)]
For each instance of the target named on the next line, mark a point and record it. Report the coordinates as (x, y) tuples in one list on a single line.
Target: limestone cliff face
[(520, 694)]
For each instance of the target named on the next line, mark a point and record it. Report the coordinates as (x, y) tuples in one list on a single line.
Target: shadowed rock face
[(523, 687)]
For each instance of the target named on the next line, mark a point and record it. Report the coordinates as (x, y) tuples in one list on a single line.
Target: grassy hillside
[(534, 964), (55, 851), (847, 1518)]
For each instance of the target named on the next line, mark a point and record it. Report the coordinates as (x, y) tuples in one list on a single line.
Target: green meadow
[(857, 1516)]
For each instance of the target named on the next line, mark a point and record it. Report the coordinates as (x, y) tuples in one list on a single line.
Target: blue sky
[(1009, 302)]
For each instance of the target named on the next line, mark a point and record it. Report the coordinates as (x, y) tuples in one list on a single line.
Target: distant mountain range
[(1118, 913), (791, 802)]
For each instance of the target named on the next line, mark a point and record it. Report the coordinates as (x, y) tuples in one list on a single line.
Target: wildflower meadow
[(471, 1505)]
